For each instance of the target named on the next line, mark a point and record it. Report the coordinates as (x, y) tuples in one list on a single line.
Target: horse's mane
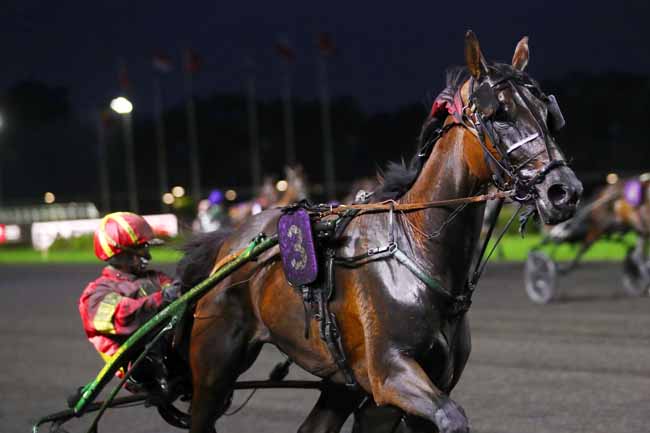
[(398, 178), (200, 255)]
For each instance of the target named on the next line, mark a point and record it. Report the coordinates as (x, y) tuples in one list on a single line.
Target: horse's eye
[(501, 115)]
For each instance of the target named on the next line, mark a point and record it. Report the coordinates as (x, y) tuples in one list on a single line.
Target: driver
[(126, 295)]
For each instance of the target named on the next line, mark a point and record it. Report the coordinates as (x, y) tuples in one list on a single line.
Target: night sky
[(390, 57), (388, 53)]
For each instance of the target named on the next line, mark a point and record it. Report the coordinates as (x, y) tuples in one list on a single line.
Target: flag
[(285, 51), (192, 61), (123, 76), (325, 44), (162, 63)]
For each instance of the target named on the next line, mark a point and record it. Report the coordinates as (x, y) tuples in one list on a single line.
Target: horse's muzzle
[(558, 195)]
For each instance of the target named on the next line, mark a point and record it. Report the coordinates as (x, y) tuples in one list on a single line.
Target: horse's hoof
[(451, 418)]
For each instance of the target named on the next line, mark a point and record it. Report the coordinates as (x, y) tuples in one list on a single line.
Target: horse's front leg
[(399, 380), (641, 248), (462, 346), (333, 407)]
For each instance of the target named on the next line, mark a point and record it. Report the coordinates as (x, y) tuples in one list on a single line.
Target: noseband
[(478, 115)]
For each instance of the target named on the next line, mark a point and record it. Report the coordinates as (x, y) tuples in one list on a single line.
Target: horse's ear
[(475, 61), (520, 58)]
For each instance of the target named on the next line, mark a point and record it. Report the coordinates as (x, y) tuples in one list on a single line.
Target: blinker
[(555, 118), (485, 100)]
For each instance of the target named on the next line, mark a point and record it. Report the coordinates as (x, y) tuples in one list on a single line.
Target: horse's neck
[(453, 170)]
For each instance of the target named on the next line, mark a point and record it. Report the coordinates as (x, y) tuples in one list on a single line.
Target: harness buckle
[(461, 304), (390, 248)]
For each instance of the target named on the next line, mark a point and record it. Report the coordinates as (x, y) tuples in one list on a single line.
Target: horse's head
[(268, 193), (515, 122), (296, 182)]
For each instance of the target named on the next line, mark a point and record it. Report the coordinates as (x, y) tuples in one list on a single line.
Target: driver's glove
[(171, 292)]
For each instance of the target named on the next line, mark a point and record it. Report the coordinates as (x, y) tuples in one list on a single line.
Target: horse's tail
[(200, 256)]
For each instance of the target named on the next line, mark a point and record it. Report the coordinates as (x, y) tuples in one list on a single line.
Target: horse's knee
[(409, 388)]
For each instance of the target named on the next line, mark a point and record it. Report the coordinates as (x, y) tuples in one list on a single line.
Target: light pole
[(123, 107), (2, 124), (103, 162), (253, 132), (163, 183)]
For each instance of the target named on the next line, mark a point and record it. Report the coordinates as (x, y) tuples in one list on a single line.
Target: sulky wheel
[(636, 274), (540, 274)]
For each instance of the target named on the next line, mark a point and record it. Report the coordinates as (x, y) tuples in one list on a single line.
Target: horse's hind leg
[(220, 350), (333, 407)]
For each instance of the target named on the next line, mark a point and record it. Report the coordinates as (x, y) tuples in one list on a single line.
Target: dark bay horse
[(297, 186), (404, 347), (269, 196)]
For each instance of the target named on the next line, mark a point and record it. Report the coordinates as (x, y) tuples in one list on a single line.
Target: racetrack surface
[(580, 365)]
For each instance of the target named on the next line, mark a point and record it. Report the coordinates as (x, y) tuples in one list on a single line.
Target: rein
[(388, 205)]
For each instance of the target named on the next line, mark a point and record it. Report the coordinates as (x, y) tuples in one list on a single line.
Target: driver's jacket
[(116, 304)]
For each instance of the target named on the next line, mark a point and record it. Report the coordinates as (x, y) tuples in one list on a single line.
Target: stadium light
[(168, 198), (231, 195), (282, 185), (178, 191), (121, 105), (612, 178)]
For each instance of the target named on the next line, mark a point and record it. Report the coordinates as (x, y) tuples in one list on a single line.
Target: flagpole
[(103, 163), (290, 153), (195, 175), (253, 131), (326, 125), (163, 181)]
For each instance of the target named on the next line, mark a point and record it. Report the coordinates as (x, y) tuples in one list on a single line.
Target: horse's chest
[(412, 325)]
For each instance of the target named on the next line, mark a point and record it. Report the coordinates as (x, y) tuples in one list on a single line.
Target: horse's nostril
[(558, 194)]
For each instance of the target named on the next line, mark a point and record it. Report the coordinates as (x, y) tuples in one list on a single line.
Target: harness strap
[(481, 262), (458, 304), (412, 266)]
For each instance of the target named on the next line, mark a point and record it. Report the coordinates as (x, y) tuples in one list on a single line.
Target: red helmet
[(118, 231)]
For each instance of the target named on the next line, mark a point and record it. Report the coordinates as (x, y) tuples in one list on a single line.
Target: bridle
[(477, 115)]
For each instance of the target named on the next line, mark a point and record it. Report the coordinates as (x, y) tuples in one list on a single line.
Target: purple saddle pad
[(633, 192), (297, 248)]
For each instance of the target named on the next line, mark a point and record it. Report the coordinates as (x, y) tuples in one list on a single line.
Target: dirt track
[(582, 365)]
